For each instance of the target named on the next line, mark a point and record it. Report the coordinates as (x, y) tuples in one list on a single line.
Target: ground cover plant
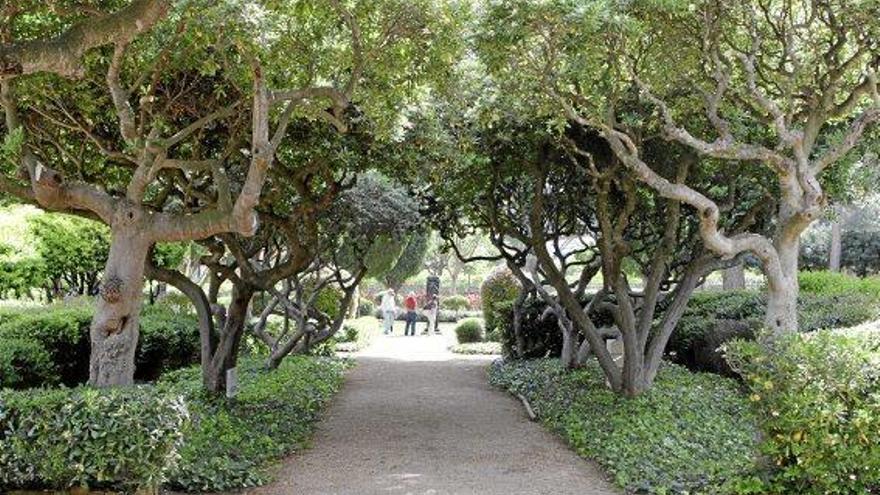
[(476, 348), (690, 434), (172, 432)]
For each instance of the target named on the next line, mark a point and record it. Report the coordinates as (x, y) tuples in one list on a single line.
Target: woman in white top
[(389, 310)]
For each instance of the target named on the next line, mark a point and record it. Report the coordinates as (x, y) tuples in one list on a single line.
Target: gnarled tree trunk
[(114, 329)]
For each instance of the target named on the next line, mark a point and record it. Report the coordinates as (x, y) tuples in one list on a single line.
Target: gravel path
[(416, 419)]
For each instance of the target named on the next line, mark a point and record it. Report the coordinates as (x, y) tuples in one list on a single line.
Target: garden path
[(414, 418)]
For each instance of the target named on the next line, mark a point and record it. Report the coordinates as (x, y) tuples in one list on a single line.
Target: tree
[(410, 261), (790, 86)]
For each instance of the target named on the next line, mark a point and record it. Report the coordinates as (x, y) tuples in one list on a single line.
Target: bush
[(499, 288), (169, 338), (827, 300), (468, 331), (692, 433), (454, 303), (231, 445), (818, 400), (25, 363), (122, 438)]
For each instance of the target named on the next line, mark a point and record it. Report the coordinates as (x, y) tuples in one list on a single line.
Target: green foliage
[(827, 300), (455, 303), (25, 363), (499, 288), (818, 400), (833, 283), (469, 331), (410, 262), (366, 307), (690, 434), (169, 338), (231, 445), (123, 438), (72, 251)]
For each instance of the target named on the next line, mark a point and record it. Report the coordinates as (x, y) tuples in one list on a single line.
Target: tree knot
[(111, 289)]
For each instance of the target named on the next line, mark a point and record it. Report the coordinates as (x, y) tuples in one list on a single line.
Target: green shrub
[(692, 433), (500, 287), (454, 303), (25, 363), (818, 400), (827, 300), (231, 445), (61, 329), (121, 438), (836, 283), (468, 331), (168, 338)]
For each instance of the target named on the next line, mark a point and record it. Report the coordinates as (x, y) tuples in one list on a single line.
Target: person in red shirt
[(410, 304)]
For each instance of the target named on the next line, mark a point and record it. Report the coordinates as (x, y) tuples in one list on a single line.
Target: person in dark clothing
[(410, 305)]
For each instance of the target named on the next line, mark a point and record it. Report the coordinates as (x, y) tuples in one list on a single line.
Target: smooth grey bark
[(834, 250)]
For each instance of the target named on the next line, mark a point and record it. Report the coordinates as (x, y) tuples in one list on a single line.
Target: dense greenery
[(498, 291), (690, 434), (49, 345), (59, 438), (827, 300), (230, 445), (469, 331), (171, 433), (817, 397)]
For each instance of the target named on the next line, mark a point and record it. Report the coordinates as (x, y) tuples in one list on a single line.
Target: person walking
[(411, 316), (432, 308), (389, 310)]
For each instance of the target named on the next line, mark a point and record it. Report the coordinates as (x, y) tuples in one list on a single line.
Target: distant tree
[(410, 261)]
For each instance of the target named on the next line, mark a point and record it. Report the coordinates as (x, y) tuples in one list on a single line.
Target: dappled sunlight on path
[(414, 418)]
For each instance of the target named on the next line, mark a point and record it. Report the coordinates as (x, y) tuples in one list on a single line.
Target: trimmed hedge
[(692, 433), (171, 432), (469, 331), (818, 399), (499, 289), (455, 303), (169, 339), (827, 300), (124, 438)]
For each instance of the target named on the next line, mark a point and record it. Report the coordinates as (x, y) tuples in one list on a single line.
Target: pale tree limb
[(62, 55)]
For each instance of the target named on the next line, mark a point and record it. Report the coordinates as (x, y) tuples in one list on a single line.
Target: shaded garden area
[(661, 216)]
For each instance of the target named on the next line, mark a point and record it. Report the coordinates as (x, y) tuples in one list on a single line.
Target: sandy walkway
[(416, 419)]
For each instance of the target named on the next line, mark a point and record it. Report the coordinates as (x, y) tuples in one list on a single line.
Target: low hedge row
[(692, 433), (827, 300), (50, 345), (170, 433), (60, 438)]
